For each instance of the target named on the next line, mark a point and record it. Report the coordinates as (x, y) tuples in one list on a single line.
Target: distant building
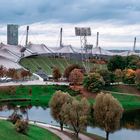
[(12, 34)]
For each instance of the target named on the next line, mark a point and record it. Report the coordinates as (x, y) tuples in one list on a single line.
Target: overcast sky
[(117, 21)]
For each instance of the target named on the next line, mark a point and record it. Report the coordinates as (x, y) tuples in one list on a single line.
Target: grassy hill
[(46, 63), (8, 132)]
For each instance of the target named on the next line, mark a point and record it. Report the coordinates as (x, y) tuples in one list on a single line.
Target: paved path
[(122, 93), (35, 82), (56, 130)]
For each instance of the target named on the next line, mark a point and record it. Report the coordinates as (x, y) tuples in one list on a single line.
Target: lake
[(130, 124)]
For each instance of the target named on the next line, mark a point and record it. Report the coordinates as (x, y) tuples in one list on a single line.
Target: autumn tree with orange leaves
[(76, 77)]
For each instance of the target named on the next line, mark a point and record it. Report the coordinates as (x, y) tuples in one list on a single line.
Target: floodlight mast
[(97, 41), (27, 33), (83, 33), (134, 47), (61, 35)]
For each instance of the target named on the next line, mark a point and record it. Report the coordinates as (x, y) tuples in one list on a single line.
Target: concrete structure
[(12, 34)]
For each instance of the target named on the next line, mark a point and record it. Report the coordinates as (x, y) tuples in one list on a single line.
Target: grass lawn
[(40, 95), (129, 102), (46, 63), (130, 89), (7, 132)]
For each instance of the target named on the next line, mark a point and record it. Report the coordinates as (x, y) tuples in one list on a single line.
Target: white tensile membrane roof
[(127, 53), (8, 63), (65, 49), (7, 54), (101, 51), (13, 49), (11, 54), (38, 48)]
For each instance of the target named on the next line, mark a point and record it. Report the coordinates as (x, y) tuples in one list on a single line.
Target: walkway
[(56, 130), (34, 82)]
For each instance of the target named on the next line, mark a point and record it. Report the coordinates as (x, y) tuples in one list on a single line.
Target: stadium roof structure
[(8, 63), (11, 54), (7, 54), (101, 51), (13, 49), (127, 53), (38, 48), (67, 49)]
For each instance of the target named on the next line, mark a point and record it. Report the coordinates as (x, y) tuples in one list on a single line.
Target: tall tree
[(2, 71), (107, 112), (69, 69), (56, 103), (76, 114), (56, 73), (118, 75)]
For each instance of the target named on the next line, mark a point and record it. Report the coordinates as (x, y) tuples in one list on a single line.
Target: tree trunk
[(27, 115), (61, 126), (77, 135), (107, 135)]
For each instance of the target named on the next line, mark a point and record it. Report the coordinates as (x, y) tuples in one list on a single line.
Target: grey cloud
[(73, 11)]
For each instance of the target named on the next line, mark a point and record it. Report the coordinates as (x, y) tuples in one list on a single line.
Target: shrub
[(107, 76), (137, 78), (93, 82), (21, 126)]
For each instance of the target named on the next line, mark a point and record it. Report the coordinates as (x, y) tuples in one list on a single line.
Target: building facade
[(12, 34)]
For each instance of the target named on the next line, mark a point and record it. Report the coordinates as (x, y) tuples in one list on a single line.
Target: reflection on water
[(130, 122)]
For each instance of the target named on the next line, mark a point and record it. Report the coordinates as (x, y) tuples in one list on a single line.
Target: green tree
[(76, 114), (116, 62), (93, 82), (132, 62), (56, 103), (107, 76), (107, 112)]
